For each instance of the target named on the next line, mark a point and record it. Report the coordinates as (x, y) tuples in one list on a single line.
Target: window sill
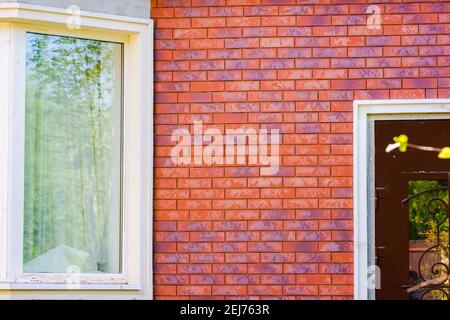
[(69, 287)]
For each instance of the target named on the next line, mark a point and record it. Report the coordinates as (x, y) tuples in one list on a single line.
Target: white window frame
[(135, 281), (364, 115)]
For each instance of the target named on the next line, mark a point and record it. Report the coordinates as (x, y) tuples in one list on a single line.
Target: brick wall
[(227, 232)]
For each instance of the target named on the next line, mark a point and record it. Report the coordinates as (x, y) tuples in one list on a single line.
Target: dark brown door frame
[(392, 173)]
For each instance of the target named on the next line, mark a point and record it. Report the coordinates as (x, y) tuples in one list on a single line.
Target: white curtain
[(72, 199)]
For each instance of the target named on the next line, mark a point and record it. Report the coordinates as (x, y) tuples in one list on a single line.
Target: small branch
[(401, 143), (424, 148), (423, 284)]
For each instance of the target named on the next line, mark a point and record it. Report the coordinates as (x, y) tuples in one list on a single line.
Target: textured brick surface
[(227, 232)]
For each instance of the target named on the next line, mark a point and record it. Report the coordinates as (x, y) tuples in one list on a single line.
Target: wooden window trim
[(136, 35)]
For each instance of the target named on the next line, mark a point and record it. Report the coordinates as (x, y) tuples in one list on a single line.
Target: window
[(73, 112), (75, 170)]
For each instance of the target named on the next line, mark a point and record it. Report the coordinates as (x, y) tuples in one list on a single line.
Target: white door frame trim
[(365, 112)]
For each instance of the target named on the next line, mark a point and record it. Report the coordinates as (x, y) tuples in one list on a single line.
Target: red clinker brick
[(342, 106), (229, 225), (342, 257), (265, 96), (211, 3), (265, 246), (241, 279), (276, 42), (241, 214), (265, 290), (162, 13), (384, 83), (303, 290), (313, 235), (259, 75), (229, 96), (300, 247), (312, 42), (401, 29), (418, 40), (300, 95), (277, 63), (407, 94), (260, 32), (294, 31), (333, 10), (330, 74), (225, 11), (313, 20), (278, 279), (242, 193), (229, 268), (229, 204), (260, 10), (229, 290), (402, 8), (278, 21), (419, 83), (313, 279), (242, 43), (301, 268), (191, 12), (171, 279), (342, 279), (193, 290), (242, 64), (225, 54), (208, 22), (207, 279), (189, 33), (312, 84), (173, 23), (242, 86), (384, 62), (224, 75), (277, 106), (242, 257), (224, 33), (167, 290), (264, 203), (277, 236), (348, 84), (329, 52), (242, 236), (294, 74), (259, 53), (336, 290), (243, 21), (313, 193), (283, 52), (278, 193), (435, 7), (349, 20), (329, 31), (207, 86), (207, 43), (303, 10)]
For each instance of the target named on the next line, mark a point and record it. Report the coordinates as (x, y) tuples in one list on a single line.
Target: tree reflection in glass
[(73, 126)]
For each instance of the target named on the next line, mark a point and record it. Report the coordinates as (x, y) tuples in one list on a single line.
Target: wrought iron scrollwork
[(433, 284)]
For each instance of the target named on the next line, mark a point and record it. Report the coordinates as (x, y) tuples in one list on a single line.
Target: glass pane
[(72, 204), (428, 239)]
